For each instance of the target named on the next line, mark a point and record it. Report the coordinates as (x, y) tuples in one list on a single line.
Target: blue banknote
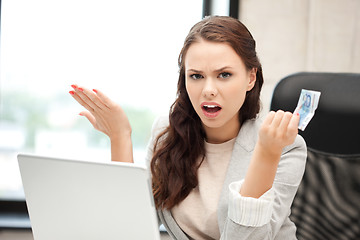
[(307, 104)]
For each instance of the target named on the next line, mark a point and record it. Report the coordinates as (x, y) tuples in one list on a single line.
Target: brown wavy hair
[(180, 146)]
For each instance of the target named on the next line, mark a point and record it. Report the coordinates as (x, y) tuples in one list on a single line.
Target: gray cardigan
[(288, 176)]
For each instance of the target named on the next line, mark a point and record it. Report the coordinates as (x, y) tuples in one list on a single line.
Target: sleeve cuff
[(247, 211)]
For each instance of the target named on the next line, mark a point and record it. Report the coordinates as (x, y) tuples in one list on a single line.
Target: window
[(128, 49)]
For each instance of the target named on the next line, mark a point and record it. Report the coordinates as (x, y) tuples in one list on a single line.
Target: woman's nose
[(210, 89)]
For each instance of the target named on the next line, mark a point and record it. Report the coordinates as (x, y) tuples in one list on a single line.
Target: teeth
[(210, 106)]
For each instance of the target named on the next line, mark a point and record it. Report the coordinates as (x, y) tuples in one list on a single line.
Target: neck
[(221, 135)]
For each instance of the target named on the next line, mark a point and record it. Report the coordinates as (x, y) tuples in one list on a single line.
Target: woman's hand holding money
[(278, 130)]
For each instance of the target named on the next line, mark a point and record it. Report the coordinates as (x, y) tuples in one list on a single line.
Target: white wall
[(303, 35)]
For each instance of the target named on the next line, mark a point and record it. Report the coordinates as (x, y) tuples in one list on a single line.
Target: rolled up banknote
[(307, 104)]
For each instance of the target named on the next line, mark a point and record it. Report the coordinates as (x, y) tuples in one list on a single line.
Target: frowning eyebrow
[(223, 69), (194, 70), (217, 70)]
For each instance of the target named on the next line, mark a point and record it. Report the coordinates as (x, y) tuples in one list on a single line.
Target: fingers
[(80, 100), (90, 98), (90, 117), (269, 118), (279, 129), (294, 122), (104, 98), (277, 119), (105, 115), (286, 118), (282, 122)]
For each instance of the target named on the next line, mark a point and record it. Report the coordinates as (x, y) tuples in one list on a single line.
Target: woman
[(218, 173)]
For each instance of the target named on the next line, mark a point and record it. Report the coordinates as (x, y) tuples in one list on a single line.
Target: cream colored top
[(197, 213)]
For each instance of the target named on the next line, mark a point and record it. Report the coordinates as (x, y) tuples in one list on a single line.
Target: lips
[(211, 109)]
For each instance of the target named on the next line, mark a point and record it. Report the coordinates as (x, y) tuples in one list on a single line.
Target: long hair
[(179, 147)]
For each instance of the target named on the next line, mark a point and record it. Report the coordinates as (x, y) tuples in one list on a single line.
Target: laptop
[(72, 199)]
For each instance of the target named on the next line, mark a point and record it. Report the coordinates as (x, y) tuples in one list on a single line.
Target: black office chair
[(327, 204)]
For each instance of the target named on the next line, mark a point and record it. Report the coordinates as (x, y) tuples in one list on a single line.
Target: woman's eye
[(196, 76), (225, 75)]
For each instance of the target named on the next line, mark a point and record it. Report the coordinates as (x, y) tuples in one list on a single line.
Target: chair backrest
[(336, 125), (327, 204)]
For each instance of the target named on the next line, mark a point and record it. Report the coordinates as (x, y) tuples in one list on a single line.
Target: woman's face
[(216, 81)]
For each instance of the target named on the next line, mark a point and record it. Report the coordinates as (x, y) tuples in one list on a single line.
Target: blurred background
[(129, 50)]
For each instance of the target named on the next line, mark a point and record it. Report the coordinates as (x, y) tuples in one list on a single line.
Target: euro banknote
[(307, 104)]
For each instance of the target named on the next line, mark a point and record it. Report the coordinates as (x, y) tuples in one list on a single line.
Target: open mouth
[(211, 108)]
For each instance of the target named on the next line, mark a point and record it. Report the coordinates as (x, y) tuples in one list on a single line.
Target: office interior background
[(129, 50)]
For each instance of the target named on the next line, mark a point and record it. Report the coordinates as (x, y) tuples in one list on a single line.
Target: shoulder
[(248, 134), (159, 125)]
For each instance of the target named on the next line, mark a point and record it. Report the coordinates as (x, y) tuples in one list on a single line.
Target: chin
[(212, 123)]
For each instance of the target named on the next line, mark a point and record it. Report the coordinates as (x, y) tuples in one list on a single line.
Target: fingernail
[(297, 114), (80, 89), (72, 92), (80, 114), (95, 90), (74, 86)]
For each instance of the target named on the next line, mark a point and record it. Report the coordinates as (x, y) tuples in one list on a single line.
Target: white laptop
[(70, 199)]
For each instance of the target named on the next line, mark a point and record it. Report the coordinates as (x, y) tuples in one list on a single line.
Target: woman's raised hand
[(107, 117), (278, 130)]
